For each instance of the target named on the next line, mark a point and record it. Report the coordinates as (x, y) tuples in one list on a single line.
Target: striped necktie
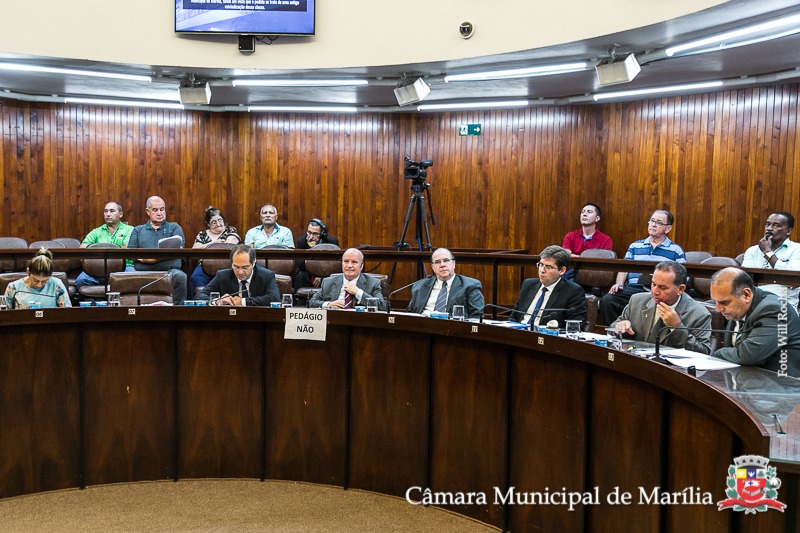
[(441, 300)]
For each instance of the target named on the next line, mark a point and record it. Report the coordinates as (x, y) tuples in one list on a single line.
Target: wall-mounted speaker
[(198, 95), (411, 94), (619, 72)]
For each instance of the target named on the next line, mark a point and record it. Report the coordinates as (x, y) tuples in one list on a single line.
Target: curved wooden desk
[(91, 396)]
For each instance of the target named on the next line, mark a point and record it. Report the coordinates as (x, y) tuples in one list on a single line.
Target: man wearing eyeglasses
[(245, 284), (316, 233), (656, 248), (441, 291), (549, 297)]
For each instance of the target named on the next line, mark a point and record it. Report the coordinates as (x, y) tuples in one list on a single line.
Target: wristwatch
[(769, 255)]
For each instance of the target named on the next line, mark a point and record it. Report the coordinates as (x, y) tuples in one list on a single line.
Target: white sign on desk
[(306, 324)]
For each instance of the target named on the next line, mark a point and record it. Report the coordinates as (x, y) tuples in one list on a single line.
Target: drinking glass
[(3, 302), (286, 300), (372, 305), (113, 299), (573, 329), (458, 312), (213, 298), (614, 338)]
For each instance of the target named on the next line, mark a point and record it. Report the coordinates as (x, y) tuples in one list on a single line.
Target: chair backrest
[(596, 279), (703, 285), (212, 266), (100, 268), (59, 265), (697, 256), (385, 288), (324, 268), (287, 267), (127, 284), (739, 259), (284, 284), (68, 242), (7, 265)]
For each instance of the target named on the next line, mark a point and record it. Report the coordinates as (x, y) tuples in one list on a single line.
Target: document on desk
[(686, 358), (506, 324)]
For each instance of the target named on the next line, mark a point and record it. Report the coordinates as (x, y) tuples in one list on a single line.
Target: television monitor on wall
[(245, 17)]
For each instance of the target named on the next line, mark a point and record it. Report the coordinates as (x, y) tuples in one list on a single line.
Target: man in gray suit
[(647, 315), (349, 289), (763, 329), (427, 294)]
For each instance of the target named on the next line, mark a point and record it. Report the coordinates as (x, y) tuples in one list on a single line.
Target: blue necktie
[(538, 305), (441, 300)]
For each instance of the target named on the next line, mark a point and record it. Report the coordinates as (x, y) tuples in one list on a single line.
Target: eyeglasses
[(313, 233), (219, 222), (654, 222), (440, 261), (546, 267)]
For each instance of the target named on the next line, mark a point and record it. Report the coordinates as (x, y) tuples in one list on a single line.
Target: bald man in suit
[(350, 288)]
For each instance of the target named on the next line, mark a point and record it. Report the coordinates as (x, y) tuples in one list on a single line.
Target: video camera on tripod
[(415, 170)]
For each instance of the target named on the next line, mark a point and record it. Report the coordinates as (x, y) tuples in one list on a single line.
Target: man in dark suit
[(316, 233), (244, 284), (566, 299), (763, 329), (666, 306), (349, 289), (426, 294)]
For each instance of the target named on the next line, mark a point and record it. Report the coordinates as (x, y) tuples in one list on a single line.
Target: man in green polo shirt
[(114, 231)]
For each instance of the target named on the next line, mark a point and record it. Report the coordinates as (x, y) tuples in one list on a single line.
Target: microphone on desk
[(493, 306), (143, 287), (660, 339), (14, 302), (212, 302), (389, 299), (544, 312)]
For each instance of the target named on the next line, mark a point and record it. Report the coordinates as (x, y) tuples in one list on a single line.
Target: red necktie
[(348, 300)]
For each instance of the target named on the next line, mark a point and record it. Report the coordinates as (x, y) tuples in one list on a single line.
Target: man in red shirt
[(588, 236)]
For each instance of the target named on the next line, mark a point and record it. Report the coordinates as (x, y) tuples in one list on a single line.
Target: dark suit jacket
[(759, 342), (463, 291), (332, 286), (565, 295), (263, 287), (302, 242)]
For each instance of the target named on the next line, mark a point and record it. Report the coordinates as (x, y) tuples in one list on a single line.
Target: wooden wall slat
[(720, 161)]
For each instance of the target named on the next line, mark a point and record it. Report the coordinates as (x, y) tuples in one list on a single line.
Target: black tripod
[(418, 186)]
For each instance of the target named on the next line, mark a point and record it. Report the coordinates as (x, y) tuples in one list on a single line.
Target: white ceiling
[(751, 65)]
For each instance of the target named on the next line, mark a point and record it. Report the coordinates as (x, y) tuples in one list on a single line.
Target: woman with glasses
[(216, 231), (38, 287)]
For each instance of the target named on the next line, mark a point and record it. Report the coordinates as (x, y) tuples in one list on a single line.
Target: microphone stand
[(143, 287), (389, 299)]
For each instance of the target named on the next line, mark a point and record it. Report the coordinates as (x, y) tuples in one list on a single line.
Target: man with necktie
[(349, 289), (763, 329), (667, 306), (445, 289), (244, 284), (549, 291)]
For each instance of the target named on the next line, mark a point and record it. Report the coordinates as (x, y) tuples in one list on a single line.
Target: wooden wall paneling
[(39, 429), (467, 386), (686, 469), (547, 450), (220, 431), (129, 423), (389, 411), (306, 408), (625, 452)]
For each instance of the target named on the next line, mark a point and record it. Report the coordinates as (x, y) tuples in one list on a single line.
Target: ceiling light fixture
[(73, 72), (657, 90), (304, 109), (472, 105), (755, 33), (298, 83), (546, 70), (127, 103)]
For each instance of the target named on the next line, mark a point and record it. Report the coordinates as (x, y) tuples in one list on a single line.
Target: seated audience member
[(762, 330), (38, 286), (647, 315), (148, 235), (269, 232), (244, 284), (656, 247), (216, 232), (352, 288), (776, 250), (550, 291), (441, 291), (114, 231), (316, 233), (588, 237)]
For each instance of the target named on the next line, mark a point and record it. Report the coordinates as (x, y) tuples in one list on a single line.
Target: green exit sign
[(469, 129)]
